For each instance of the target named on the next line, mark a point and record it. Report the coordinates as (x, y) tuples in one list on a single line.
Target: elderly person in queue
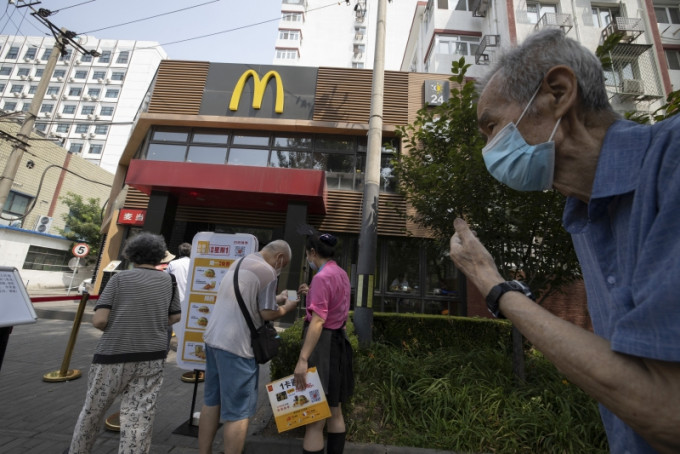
[(548, 122), (134, 312)]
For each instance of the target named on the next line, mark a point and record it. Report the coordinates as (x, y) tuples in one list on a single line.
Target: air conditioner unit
[(108, 81), (58, 115), (633, 86), (27, 59), (64, 97), (16, 95), (83, 135), (70, 79), (54, 96), (22, 77), (94, 98), (43, 225), (90, 116), (30, 78), (100, 80), (92, 135), (77, 62), (60, 79), (23, 95), (37, 60), (97, 117), (46, 114)]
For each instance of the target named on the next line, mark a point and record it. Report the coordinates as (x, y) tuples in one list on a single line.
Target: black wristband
[(492, 299)]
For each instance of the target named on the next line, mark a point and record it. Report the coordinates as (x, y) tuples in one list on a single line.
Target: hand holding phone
[(292, 295)]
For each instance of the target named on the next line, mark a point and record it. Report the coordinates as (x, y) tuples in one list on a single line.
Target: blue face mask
[(515, 163), (312, 266)]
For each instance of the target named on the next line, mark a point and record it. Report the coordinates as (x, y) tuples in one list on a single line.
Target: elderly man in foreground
[(548, 122)]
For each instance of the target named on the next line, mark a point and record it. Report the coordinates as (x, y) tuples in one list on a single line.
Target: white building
[(91, 102), (342, 34), (646, 62)]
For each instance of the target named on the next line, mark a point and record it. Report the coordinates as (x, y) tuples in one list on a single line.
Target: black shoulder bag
[(265, 340)]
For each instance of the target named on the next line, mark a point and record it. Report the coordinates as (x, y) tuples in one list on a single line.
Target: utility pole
[(18, 149), (368, 237), (62, 37)]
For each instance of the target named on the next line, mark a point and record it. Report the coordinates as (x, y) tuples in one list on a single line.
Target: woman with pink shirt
[(325, 345)]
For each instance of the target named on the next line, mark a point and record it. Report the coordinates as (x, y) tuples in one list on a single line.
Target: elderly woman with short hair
[(134, 312)]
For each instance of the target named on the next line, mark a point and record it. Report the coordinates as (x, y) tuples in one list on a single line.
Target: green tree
[(83, 222), (443, 176)]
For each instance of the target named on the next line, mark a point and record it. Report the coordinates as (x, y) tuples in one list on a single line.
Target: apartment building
[(342, 34), (645, 63), (91, 102)]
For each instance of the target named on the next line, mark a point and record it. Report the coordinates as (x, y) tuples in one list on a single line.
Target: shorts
[(230, 382)]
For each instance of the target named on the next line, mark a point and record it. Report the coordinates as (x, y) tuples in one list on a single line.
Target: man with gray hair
[(622, 183), (231, 373)]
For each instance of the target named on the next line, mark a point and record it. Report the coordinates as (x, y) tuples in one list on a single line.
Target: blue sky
[(247, 43)]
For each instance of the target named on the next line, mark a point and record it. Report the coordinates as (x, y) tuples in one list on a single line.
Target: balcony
[(629, 27), (555, 20), (632, 75), (482, 58), (480, 7)]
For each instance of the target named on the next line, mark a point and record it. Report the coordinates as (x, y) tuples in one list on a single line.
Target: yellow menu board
[(211, 256), (293, 408)]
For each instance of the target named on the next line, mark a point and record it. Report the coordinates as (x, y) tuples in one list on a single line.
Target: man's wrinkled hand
[(471, 257)]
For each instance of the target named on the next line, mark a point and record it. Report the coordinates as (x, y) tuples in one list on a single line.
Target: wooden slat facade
[(343, 216), (344, 95), (179, 87)]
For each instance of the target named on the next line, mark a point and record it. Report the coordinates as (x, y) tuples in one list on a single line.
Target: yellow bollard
[(66, 374)]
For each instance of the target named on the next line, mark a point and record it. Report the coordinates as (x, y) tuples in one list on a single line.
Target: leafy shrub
[(447, 383)]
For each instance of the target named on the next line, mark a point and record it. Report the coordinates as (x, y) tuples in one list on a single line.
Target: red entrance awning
[(231, 186)]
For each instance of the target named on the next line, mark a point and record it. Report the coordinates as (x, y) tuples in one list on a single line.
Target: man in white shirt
[(231, 374), (180, 268)]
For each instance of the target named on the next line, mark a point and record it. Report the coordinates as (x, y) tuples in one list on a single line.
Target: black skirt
[(332, 358)]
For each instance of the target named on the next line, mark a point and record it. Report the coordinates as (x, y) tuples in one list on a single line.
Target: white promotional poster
[(211, 256)]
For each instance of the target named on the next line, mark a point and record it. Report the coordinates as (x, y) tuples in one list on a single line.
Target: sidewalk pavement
[(38, 417)]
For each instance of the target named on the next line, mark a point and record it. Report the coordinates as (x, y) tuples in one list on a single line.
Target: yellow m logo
[(258, 94)]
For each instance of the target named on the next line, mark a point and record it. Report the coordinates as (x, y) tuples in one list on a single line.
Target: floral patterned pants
[(138, 384)]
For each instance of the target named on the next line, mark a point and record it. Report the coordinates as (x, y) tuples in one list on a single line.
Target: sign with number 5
[(81, 250)]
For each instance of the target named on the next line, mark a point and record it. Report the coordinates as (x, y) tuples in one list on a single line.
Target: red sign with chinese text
[(131, 217)]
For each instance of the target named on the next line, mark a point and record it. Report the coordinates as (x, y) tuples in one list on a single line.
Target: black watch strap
[(492, 299)]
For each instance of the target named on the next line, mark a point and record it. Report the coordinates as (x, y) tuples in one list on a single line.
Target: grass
[(467, 401)]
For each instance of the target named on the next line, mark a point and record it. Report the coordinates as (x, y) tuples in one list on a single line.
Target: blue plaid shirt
[(628, 243)]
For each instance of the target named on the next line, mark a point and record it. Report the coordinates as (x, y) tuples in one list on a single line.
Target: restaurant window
[(166, 152), (248, 157), (207, 155), (210, 137)]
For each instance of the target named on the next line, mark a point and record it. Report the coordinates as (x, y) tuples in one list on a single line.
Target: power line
[(42, 179), (150, 17), (72, 6), (234, 29), (8, 19)]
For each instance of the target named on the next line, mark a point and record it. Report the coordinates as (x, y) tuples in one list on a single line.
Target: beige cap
[(168, 257)]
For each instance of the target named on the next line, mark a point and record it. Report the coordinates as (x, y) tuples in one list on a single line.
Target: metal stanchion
[(66, 374)]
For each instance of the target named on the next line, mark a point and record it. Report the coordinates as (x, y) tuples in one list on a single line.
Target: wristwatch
[(498, 291)]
